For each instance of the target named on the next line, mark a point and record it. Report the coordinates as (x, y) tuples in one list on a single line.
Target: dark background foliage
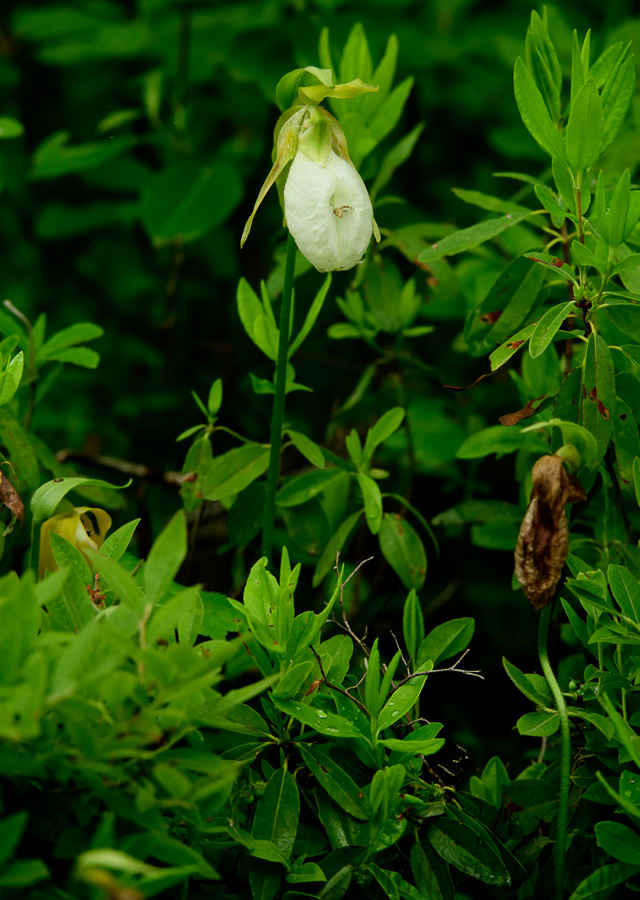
[(168, 92)]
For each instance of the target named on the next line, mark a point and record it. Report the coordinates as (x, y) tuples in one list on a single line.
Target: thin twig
[(453, 668), (334, 687), (136, 470)]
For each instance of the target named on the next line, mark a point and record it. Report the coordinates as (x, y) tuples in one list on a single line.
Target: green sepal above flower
[(312, 84)]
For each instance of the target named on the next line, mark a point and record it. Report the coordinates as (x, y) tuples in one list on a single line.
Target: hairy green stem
[(277, 416), (565, 753)]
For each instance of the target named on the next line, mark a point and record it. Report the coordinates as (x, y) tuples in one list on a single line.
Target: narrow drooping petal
[(328, 212)]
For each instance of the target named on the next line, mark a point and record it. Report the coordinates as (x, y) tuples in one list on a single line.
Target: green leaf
[(256, 321), (522, 683), (302, 488), (542, 61), (538, 724), (603, 880), (48, 496), (23, 873), (578, 74), (556, 265), (534, 113), (617, 95), (337, 542), (387, 424), (619, 841), (235, 470), (308, 448), (304, 873), (325, 722), (372, 501), (549, 201), (512, 296), (11, 830), (430, 872), (548, 326), (66, 554), (311, 316), (586, 257), (214, 401), (401, 701), (341, 787), (118, 541), (395, 158), (618, 209), (10, 378), (10, 128), (626, 591), (490, 203), (585, 128), (599, 395), (54, 158), (446, 640), (20, 451), (413, 748), (498, 439), (413, 625), (69, 337), (186, 200), (276, 820), (403, 550), (293, 679), (464, 849), (471, 237), (124, 587), (165, 558)]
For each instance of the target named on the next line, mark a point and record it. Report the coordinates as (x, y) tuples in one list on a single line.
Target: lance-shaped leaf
[(599, 395), (617, 94), (585, 128), (533, 112)]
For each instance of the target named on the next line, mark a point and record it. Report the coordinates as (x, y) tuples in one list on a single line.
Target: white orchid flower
[(326, 204), (328, 212)]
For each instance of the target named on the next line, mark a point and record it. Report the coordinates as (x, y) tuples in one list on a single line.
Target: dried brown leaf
[(543, 542), (11, 499)]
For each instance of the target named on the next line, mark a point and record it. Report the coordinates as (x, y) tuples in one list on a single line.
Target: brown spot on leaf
[(490, 317), (528, 410), (513, 345), (543, 542)]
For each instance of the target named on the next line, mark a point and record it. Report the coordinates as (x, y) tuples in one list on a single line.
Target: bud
[(326, 204), (83, 527), (543, 542)]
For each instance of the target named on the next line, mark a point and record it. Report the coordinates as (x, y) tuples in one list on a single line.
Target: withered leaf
[(543, 542), (11, 499), (528, 410), (455, 387)]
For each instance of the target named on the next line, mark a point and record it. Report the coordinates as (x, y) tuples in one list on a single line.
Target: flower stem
[(565, 754), (277, 416)]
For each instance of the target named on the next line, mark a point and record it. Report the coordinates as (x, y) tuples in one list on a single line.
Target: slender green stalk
[(565, 753), (277, 416)]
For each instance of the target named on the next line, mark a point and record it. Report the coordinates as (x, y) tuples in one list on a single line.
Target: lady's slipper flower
[(328, 211), (326, 204), (83, 527)]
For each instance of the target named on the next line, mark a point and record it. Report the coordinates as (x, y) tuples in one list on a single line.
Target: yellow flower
[(83, 527)]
